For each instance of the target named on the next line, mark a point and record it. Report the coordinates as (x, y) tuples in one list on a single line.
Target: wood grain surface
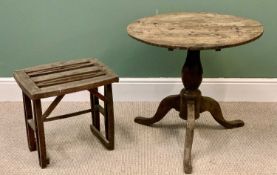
[(195, 31)]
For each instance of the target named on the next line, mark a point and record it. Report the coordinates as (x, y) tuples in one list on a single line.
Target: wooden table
[(193, 32)]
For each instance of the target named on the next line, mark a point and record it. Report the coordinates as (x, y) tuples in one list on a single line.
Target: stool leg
[(94, 102), (43, 161), (108, 139), (29, 116), (109, 115)]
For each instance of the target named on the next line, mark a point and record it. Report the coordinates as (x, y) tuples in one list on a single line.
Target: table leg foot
[(189, 136), (172, 101), (188, 168), (189, 110), (211, 105)]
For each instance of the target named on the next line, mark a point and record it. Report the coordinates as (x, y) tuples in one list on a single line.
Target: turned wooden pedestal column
[(193, 32)]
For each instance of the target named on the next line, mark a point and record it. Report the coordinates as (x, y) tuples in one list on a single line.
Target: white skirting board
[(155, 89)]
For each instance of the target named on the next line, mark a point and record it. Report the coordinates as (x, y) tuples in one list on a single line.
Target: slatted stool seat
[(59, 79)]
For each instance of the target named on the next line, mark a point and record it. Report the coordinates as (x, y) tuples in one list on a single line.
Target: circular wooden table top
[(195, 31)]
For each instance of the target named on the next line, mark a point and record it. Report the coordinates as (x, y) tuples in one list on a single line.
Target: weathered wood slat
[(59, 69), (195, 31), (68, 79), (59, 63), (65, 74), (55, 66)]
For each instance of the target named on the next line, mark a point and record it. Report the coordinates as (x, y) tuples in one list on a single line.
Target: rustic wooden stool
[(59, 79)]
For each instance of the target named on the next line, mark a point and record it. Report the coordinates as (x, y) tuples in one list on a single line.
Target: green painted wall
[(42, 31)]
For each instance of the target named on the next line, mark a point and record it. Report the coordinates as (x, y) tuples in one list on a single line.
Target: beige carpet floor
[(72, 148)]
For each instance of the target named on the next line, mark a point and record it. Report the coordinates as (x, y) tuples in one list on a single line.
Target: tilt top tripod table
[(193, 32)]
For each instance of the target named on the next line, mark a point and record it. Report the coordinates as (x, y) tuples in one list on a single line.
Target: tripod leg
[(209, 104), (165, 106)]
